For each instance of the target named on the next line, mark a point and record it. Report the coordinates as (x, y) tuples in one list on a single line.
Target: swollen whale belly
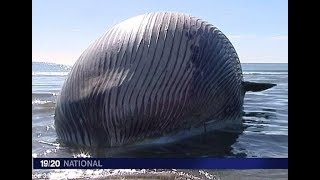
[(148, 76)]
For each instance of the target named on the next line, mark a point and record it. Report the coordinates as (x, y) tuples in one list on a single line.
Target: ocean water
[(264, 132)]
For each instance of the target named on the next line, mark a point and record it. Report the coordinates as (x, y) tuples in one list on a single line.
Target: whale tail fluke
[(255, 87)]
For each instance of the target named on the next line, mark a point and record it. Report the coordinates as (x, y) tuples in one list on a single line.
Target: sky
[(63, 29)]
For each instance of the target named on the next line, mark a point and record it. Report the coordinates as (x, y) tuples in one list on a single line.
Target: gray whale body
[(149, 76)]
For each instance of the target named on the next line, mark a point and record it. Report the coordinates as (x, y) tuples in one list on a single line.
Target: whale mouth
[(207, 127), (213, 133), (215, 139)]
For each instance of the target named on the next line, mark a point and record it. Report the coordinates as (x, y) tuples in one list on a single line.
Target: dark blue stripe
[(168, 163)]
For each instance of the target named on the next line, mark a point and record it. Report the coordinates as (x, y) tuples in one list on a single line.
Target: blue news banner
[(160, 163)]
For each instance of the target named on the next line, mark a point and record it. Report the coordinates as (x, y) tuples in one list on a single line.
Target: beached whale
[(150, 76)]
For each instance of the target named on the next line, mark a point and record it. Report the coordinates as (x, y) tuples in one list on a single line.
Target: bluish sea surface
[(264, 134)]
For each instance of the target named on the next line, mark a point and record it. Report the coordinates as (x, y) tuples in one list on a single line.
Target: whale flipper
[(255, 87)]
